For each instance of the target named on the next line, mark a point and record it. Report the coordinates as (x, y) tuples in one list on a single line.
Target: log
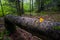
[(33, 26), (9, 26)]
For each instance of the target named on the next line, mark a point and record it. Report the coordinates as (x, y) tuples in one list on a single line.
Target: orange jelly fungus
[(41, 19)]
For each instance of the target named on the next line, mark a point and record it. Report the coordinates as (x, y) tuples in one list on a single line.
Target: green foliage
[(4, 33), (26, 7), (0, 13), (7, 32), (1, 35), (48, 1), (56, 27), (11, 0), (8, 8)]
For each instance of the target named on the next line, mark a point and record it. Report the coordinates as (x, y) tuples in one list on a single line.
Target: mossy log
[(33, 26)]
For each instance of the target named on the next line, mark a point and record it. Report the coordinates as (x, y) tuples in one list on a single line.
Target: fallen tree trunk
[(33, 26)]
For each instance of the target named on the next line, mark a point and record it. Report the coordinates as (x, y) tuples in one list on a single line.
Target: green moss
[(56, 27), (7, 32), (1, 35)]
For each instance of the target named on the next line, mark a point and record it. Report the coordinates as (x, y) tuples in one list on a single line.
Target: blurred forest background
[(29, 7), (48, 9)]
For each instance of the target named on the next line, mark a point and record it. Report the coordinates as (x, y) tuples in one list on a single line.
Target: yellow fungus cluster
[(41, 19)]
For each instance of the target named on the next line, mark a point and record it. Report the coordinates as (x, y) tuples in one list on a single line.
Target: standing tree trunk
[(32, 5), (18, 7), (22, 7), (42, 5), (38, 5), (58, 5)]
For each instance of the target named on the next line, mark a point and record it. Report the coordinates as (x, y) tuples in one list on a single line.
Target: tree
[(22, 6), (40, 5), (9, 7), (2, 8), (32, 5), (18, 7), (58, 5)]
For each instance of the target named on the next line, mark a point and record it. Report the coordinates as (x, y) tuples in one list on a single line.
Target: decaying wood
[(33, 26)]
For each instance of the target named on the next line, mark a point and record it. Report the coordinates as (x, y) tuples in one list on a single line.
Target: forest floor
[(24, 35), (51, 17)]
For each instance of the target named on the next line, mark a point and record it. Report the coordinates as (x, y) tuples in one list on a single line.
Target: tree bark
[(32, 5), (22, 7), (18, 7), (30, 8), (33, 26)]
